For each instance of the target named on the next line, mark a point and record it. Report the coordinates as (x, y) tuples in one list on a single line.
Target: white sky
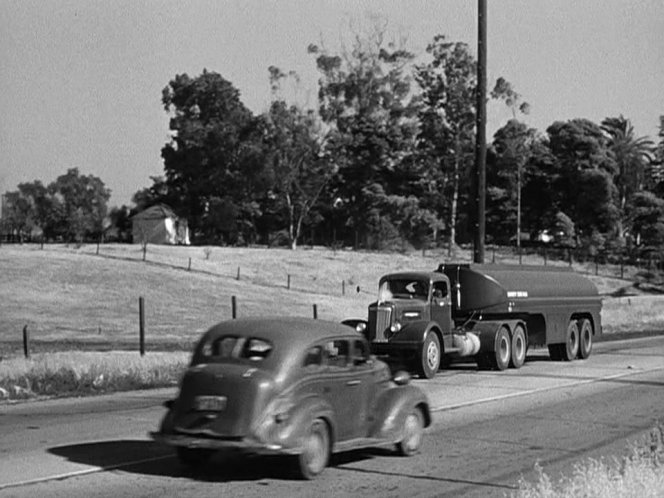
[(81, 80)]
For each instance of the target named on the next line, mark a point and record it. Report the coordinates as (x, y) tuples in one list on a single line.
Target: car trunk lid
[(221, 399)]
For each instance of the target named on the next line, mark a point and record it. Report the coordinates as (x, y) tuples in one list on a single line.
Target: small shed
[(158, 224)]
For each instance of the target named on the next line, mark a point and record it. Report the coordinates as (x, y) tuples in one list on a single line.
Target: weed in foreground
[(640, 474)]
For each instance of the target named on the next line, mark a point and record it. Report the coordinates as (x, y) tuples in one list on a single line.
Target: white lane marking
[(83, 472), (541, 389)]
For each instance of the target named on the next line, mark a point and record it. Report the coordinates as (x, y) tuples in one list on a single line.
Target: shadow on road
[(155, 459)]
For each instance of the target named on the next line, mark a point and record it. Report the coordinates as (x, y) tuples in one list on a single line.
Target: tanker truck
[(487, 313)]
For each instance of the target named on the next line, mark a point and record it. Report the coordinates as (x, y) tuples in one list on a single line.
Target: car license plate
[(210, 403)]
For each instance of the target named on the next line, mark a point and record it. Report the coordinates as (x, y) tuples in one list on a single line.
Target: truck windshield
[(403, 288)]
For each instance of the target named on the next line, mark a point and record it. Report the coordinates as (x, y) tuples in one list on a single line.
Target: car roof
[(290, 336), (283, 330), (412, 275)]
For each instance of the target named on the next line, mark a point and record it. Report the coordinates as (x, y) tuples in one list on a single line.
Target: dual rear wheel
[(509, 351), (578, 342)]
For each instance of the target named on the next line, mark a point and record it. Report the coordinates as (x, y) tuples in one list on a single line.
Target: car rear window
[(248, 348)]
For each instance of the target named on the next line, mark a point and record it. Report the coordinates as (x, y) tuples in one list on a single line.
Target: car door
[(348, 384)]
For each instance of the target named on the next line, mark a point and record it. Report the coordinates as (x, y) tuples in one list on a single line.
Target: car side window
[(314, 357), (336, 353)]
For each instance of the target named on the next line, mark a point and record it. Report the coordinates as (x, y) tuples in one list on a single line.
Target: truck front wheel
[(429, 356)]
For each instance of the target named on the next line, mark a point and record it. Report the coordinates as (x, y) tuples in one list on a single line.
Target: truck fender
[(415, 332), (289, 433), (393, 407)]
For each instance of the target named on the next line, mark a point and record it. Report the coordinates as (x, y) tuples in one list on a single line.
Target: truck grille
[(383, 322)]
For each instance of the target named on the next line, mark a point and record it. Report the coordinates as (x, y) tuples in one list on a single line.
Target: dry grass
[(640, 474), (72, 294), (83, 373)]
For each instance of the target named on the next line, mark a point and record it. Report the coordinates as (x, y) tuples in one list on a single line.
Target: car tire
[(315, 450), (412, 434), (193, 457), (430, 356), (518, 356), (585, 338)]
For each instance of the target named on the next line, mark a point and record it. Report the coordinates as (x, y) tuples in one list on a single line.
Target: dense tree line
[(382, 161), (73, 208)]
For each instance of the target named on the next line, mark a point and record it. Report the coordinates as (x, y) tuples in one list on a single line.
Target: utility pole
[(480, 141)]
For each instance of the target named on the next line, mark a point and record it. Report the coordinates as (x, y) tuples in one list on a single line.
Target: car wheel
[(518, 356), (315, 450), (429, 356), (193, 457), (585, 338), (413, 431)]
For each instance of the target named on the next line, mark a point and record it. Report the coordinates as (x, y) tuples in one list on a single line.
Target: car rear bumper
[(204, 442)]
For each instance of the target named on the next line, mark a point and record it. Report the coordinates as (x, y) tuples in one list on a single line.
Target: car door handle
[(353, 383)]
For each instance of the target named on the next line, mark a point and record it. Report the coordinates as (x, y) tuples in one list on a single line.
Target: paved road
[(490, 429)]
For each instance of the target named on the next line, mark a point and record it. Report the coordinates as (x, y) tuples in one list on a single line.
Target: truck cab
[(408, 297)]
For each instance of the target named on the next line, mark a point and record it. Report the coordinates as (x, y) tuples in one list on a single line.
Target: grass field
[(72, 296), (86, 298)]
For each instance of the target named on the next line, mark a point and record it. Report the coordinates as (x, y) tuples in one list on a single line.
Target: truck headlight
[(361, 327), (396, 327)]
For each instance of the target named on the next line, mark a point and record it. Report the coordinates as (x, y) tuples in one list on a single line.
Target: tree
[(512, 146), (27, 210), (120, 218), (645, 213), (214, 156), (156, 193), (514, 140), (295, 147), (632, 155), (78, 206), (585, 184), (448, 84), (365, 99)]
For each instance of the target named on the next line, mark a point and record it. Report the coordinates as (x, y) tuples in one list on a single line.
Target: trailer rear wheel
[(518, 356), (570, 349), (585, 338), (502, 353), (429, 356)]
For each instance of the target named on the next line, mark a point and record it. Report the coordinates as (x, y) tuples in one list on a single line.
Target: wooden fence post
[(315, 312), (189, 267), (233, 307), (26, 342), (343, 287), (288, 282), (141, 325), (238, 273)]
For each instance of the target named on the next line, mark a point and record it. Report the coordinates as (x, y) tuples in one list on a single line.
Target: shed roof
[(156, 212)]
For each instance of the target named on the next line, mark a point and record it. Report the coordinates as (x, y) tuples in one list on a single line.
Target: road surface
[(490, 429)]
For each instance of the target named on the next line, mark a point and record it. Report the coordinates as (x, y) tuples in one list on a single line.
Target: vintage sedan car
[(292, 386)]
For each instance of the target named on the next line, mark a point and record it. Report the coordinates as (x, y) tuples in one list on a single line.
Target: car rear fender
[(299, 419), (393, 407)]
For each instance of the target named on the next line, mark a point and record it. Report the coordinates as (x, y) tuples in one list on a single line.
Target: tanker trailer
[(488, 313)]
